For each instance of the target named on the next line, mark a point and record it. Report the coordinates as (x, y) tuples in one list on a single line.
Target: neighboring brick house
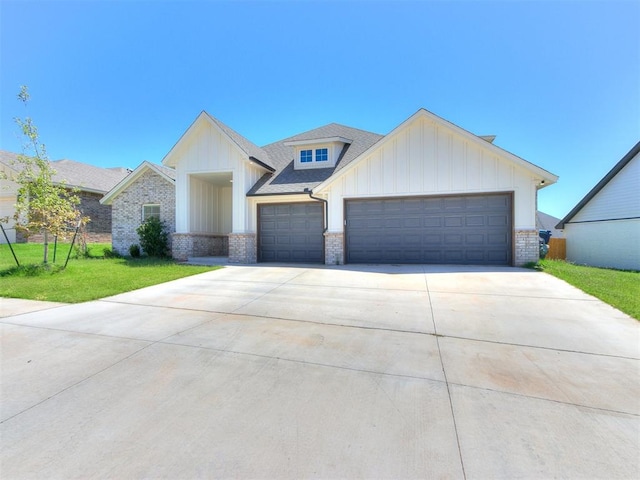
[(148, 190), (427, 192), (90, 182)]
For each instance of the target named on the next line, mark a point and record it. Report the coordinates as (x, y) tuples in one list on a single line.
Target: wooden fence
[(557, 249)]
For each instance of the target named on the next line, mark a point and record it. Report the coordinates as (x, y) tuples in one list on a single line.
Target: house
[(427, 192), (148, 190), (603, 229), (90, 182), (544, 221)]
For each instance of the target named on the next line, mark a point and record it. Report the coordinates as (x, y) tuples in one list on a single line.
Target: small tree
[(42, 205), (154, 238)]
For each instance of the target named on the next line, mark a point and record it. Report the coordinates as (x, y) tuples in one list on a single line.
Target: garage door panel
[(453, 221), (472, 229), (291, 232)]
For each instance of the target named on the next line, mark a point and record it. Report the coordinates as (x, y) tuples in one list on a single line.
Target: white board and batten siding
[(209, 151), (606, 231), (428, 159)]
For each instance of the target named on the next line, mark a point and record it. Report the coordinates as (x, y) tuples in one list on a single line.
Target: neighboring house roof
[(82, 176), (600, 185), (247, 148), (168, 173), (545, 221), (287, 180)]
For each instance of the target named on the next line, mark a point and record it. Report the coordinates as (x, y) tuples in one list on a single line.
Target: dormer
[(317, 152)]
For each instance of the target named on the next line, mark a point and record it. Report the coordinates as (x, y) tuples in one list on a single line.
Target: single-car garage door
[(291, 232), (467, 229)]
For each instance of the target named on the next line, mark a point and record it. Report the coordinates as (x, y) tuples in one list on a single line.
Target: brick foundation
[(334, 248), (185, 245), (527, 247), (243, 248)]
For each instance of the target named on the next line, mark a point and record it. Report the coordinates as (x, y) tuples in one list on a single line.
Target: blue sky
[(116, 83)]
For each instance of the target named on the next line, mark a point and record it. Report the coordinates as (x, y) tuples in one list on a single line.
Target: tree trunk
[(46, 247)]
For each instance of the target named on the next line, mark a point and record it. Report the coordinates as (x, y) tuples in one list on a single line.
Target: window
[(322, 154), (306, 156), (150, 211)]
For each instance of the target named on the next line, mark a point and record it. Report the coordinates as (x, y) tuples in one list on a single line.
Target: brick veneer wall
[(334, 248), (99, 214), (97, 230), (185, 245), (527, 247), (243, 248), (126, 211)]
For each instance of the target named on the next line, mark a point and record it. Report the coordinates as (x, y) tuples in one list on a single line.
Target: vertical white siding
[(243, 215), (202, 207), (428, 159), (620, 198)]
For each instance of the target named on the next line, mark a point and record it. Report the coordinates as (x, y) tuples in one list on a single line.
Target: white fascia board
[(317, 141), (543, 174), (132, 177), (205, 117)]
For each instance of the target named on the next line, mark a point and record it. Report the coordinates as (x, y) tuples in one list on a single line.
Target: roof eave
[(600, 185), (548, 177), (107, 199)]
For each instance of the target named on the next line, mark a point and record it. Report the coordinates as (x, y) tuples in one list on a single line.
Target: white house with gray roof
[(427, 192), (603, 229)]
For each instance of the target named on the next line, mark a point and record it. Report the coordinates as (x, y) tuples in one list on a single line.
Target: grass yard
[(84, 279), (618, 288)]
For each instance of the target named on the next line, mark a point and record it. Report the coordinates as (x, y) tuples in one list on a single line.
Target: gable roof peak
[(249, 149)]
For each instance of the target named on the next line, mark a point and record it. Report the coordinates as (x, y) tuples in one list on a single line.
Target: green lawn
[(84, 279), (618, 288)]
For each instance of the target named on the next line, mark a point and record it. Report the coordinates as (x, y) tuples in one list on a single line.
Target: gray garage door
[(470, 229), (291, 232)]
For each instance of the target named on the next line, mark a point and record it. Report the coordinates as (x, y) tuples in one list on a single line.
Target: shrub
[(154, 238), (108, 253), (134, 250)]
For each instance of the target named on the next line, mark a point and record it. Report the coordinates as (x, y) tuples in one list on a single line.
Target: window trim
[(144, 207)]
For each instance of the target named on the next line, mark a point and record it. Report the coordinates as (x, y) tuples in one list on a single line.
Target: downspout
[(326, 208)]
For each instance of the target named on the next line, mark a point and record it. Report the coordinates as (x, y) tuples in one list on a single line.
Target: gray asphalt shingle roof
[(246, 145), (75, 174), (287, 180)]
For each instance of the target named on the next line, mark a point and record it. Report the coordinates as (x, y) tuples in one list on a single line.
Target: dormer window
[(317, 152), (306, 156)]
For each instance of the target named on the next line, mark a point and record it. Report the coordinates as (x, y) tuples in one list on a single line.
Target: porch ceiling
[(215, 178)]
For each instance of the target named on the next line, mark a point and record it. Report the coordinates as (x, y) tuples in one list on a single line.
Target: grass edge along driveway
[(618, 288), (85, 278)]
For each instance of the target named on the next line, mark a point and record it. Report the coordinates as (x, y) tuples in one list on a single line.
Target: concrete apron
[(349, 372)]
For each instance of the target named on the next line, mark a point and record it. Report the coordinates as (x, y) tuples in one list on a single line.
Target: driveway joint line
[(539, 347), (303, 362), (593, 299), (444, 373), (80, 332), (542, 399), (76, 383)]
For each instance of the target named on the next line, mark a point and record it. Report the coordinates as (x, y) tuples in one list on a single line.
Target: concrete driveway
[(320, 372)]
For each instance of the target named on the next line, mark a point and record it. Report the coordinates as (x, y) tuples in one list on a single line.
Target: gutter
[(326, 208)]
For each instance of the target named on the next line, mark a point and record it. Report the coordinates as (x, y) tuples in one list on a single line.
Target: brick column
[(334, 248), (243, 248), (527, 248)]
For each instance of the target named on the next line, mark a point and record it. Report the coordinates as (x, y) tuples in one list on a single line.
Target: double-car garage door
[(464, 229)]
